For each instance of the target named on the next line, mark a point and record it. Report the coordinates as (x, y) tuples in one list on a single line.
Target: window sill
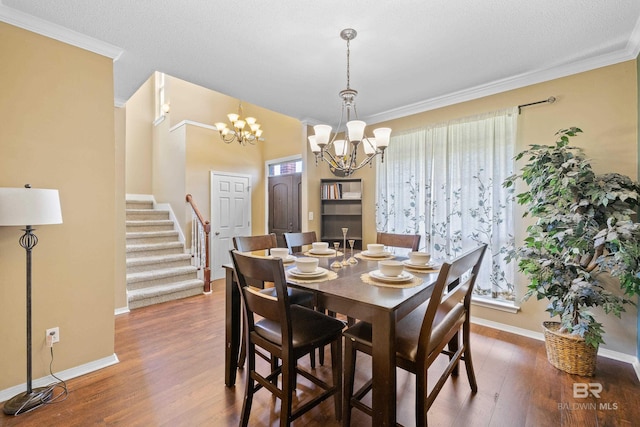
[(495, 305)]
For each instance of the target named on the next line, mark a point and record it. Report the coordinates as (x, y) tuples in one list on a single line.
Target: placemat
[(379, 258), (409, 284), (331, 255), (329, 276)]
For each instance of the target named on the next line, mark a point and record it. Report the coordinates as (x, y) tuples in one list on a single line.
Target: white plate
[(288, 259), (376, 255), (297, 273), (402, 277), (428, 266), (324, 252)]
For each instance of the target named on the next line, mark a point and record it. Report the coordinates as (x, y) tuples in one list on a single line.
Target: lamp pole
[(28, 206)]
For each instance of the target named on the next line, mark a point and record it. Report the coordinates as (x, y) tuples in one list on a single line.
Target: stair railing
[(200, 230)]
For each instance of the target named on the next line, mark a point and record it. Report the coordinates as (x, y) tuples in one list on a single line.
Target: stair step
[(149, 225), (152, 237), (163, 276), (137, 265), (146, 214), (158, 267), (138, 204), (157, 294), (154, 249)]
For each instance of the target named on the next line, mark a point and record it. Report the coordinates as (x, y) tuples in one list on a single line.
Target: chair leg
[(336, 368), (348, 379), (321, 349), (288, 388), (421, 398), (454, 344), (468, 363), (312, 359), (275, 362), (249, 389), (243, 354)]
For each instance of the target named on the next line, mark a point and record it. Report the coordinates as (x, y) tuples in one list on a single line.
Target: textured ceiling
[(409, 55)]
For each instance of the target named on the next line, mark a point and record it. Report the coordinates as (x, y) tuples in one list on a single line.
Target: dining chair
[(296, 241), (296, 296), (408, 241), (422, 336), (288, 332)]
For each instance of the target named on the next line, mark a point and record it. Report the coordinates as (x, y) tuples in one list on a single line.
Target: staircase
[(158, 269)]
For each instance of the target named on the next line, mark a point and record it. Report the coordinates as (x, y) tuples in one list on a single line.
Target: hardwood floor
[(171, 373)]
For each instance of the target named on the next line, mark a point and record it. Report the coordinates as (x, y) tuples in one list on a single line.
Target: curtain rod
[(550, 100)]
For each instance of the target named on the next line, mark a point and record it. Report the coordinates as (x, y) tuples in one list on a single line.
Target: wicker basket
[(568, 352)]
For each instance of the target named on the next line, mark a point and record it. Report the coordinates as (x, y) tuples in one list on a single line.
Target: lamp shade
[(355, 130), (369, 146), (315, 148), (29, 206), (382, 137), (341, 146), (322, 134)]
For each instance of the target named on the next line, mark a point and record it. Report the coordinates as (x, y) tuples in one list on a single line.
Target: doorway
[(230, 216), (284, 205)]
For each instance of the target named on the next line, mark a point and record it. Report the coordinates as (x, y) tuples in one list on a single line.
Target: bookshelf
[(341, 206)]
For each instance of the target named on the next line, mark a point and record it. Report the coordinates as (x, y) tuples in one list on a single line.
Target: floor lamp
[(28, 207)]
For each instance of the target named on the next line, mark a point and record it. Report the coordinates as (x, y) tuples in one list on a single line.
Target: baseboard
[(67, 374), (609, 354), (121, 310)]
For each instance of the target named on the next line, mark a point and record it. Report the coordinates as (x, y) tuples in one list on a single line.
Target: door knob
[(217, 233)]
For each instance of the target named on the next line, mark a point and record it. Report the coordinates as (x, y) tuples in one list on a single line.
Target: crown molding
[(630, 52), (58, 32)]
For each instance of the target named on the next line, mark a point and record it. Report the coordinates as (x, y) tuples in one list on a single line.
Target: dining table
[(354, 291)]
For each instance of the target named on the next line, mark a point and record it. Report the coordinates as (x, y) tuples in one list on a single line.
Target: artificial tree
[(584, 230)]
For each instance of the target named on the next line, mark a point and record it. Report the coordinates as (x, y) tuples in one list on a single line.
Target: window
[(444, 182), (284, 168)]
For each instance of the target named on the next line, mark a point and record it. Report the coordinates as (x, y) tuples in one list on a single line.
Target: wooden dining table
[(356, 296)]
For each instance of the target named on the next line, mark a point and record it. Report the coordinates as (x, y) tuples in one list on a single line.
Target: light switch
[(310, 216)]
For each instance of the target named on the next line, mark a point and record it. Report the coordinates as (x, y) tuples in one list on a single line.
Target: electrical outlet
[(53, 336)]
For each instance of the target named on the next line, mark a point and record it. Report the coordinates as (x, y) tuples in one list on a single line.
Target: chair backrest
[(255, 243), (295, 241), (409, 241), (259, 244), (250, 269), (452, 291)]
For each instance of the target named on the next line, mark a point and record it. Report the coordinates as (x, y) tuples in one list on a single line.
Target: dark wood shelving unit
[(341, 206)]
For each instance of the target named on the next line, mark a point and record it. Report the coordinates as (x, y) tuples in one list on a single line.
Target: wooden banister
[(205, 227)]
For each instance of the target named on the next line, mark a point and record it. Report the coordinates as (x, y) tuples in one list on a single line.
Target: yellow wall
[(139, 136), (120, 270), (205, 151), (603, 102), (58, 132)]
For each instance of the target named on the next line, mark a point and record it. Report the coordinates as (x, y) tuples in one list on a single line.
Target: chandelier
[(341, 154), (238, 131)]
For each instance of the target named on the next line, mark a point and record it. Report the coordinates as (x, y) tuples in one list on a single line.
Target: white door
[(230, 216)]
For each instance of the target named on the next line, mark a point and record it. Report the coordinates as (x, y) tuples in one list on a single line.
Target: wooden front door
[(284, 205)]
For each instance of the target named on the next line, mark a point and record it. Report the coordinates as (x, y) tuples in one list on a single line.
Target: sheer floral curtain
[(445, 183)]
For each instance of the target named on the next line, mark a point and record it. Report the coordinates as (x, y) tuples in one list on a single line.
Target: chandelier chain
[(348, 66)]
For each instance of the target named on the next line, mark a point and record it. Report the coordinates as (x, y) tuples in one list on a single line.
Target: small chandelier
[(341, 154), (238, 131)]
